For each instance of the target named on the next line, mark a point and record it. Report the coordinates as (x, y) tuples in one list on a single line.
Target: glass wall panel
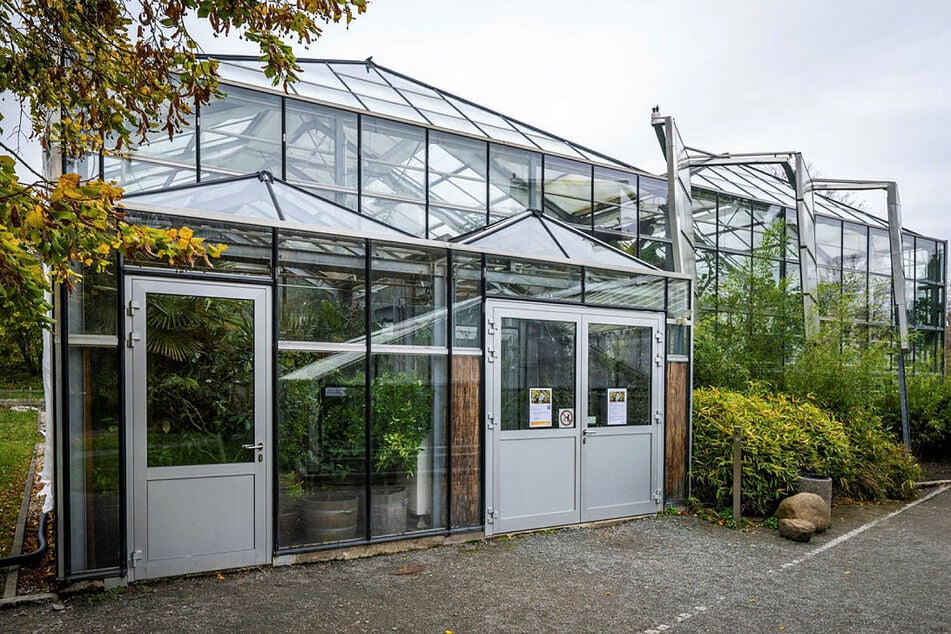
[(705, 218), (615, 200), (567, 190), (854, 246), (926, 260), (929, 305), (241, 134), (537, 362), (613, 288), (925, 345), (880, 259), (828, 241), (908, 257), (515, 178), (321, 445), (322, 292), (880, 299), (457, 173), (766, 217), (248, 252), (792, 235), (855, 287), (706, 278), (92, 303), (448, 222), (409, 443), (678, 298), (508, 277), (159, 163), (467, 301), (656, 253), (652, 207), (735, 220), (408, 296), (321, 150), (93, 459), (394, 174)]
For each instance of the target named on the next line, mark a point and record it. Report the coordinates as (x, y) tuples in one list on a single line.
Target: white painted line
[(861, 529)]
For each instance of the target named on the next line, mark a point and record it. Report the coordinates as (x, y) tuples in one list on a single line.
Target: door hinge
[(490, 515), (491, 327), (133, 337), (491, 420), (658, 335), (134, 557), (659, 360), (658, 496), (132, 307), (490, 355), (658, 417)]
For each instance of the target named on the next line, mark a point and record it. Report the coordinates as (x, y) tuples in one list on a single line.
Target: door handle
[(259, 446), (587, 431)]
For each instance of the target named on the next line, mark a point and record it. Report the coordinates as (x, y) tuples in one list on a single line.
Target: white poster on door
[(539, 407), (617, 406)]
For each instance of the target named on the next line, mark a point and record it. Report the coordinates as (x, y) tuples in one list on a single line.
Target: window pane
[(568, 190), (321, 439), (322, 150), (926, 260), (706, 278), (181, 335), (406, 216), (92, 303), (93, 459), (538, 370), (526, 278), (828, 241), (615, 200), (322, 292), (656, 253), (767, 217), (678, 298), (514, 180), (408, 439), (408, 301), (880, 252), (705, 218), (652, 211), (241, 134), (620, 359), (159, 163), (880, 299), (610, 288), (792, 235), (446, 222), (457, 172), (394, 166), (248, 252), (735, 224), (467, 301), (854, 247)]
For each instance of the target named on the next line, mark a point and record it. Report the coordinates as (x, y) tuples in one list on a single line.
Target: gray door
[(198, 402), (621, 450), (548, 465)]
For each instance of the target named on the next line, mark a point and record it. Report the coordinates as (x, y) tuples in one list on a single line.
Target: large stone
[(806, 506), (820, 485), (796, 530)]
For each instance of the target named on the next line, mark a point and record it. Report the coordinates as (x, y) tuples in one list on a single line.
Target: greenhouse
[(431, 319)]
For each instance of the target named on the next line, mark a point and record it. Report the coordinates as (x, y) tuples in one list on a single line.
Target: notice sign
[(539, 407), (566, 418), (617, 406)]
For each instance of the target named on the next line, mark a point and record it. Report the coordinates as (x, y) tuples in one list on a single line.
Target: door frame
[(582, 316), (136, 456)]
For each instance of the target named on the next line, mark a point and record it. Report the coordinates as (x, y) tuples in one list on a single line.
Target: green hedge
[(783, 436), (929, 415)]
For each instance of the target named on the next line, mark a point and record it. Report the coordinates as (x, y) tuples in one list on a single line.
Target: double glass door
[(573, 415)]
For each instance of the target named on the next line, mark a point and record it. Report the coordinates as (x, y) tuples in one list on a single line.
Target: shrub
[(783, 436), (929, 414)]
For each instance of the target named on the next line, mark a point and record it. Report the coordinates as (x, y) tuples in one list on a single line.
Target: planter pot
[(388, 510), (819, 484), (289, 526), (330, 516)]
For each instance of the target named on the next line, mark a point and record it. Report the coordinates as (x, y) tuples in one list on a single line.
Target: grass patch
[(18, 434)]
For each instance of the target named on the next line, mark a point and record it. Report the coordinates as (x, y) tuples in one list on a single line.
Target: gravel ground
[(679, 572)]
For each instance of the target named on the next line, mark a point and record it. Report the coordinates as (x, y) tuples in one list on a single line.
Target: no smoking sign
[(566, 418)]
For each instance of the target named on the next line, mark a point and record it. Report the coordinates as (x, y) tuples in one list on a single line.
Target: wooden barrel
[(388, 510), (331, 516)]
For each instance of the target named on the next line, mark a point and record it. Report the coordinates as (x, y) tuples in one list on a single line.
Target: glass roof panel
[(322, 93), (366, 81), (241, 71), (404, 85), (320, 74), (452, 123), (545, 142), (299, 206), (480, 115), (535, 234), (401, 110), (247, 197)]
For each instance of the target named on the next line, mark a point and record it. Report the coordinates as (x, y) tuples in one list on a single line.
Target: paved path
[(676, 574)]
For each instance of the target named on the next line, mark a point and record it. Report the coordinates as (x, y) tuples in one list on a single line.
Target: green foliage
[(17, 437), (929, 414), (783, 436)]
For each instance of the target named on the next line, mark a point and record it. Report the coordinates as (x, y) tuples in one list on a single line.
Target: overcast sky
[(861, 87)]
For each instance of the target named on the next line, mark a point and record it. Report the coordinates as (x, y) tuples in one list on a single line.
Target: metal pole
[(737, 470)]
